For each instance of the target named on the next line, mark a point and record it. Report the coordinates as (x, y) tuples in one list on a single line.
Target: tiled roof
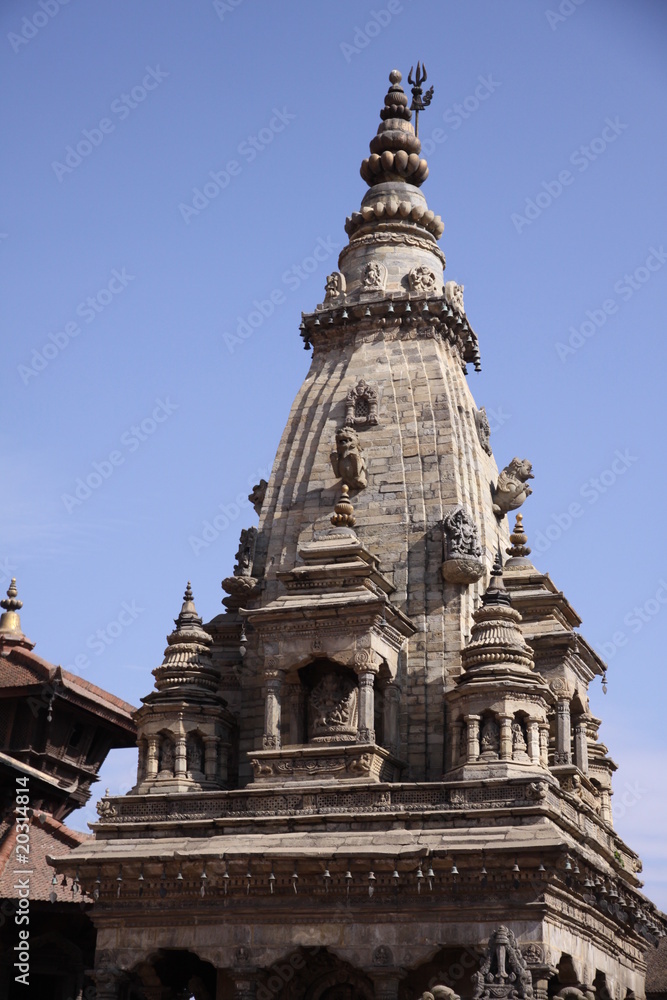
[(47, 836)]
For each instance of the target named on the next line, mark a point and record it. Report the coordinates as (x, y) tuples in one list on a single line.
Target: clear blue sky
[(546, 143)]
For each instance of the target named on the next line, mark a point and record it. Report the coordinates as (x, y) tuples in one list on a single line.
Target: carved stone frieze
[(320, 760), (512, 487)]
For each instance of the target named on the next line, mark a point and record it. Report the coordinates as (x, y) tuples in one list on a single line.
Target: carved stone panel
[(462, 550), (374, 277), (503, 975), (335, 286), (422, 279)]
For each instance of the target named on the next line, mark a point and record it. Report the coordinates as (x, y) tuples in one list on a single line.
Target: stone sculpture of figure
[(195, 754), (462, 533), (335, 286), (347, 461), (503, 974), (519, 745), (374, 276), (333, 708), (512, 488), (422, 279), (440, 993), (166, 758), (454, 296), (490, 737), (246, 552)]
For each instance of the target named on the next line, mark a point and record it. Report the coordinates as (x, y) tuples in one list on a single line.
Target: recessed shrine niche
[(330, 702)]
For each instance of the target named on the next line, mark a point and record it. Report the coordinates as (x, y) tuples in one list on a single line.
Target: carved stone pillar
[(386, 982), (563, 732), (533, 727), (151, 757), (296, 712), (365, 730), (272, 707), (505, 736), (605, 806), (245, 981), (581, 745), (472, 722), (392, 699), (544, 745), (541, 976), (211, 758), (180, 757)]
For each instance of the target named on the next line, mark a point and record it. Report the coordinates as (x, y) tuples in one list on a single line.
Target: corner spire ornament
[(518, 549), (343, 515), (420, 101), (10, 621)]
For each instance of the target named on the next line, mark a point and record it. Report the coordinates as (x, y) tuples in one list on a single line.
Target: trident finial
[(419, 99)]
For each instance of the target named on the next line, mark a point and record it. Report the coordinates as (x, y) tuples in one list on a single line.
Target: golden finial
[(518, 538), (343, 515), (9, 620)]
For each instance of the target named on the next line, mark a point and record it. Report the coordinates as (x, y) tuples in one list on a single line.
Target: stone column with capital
[(180, 757), (505, 736), (366, 724), (544, 744), (533, 727), (151, 757), (563, 753), (272, 708), (581, 745), (472, 722)]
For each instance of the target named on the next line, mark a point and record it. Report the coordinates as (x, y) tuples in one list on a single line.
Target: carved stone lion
[(347, 461), (512, 489), (454, 295), (335, 285)]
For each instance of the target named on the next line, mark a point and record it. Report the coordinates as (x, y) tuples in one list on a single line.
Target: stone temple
[(376, 775)]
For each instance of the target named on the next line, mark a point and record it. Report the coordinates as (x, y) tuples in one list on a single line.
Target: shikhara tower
[(376, 773)]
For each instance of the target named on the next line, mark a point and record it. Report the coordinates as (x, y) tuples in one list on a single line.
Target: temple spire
[(395, 148)]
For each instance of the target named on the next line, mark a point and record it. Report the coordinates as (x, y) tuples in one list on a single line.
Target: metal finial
[(10, 602), (420, 100)]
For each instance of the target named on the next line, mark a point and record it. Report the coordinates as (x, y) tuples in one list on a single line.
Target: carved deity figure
[(374, 276), (422, 279), (332, 707), (166, 755), (454, 296), (512, 488), (246, 552), (519, 744), (335, 285), (461, 533), (490, 738), (195, 753), (347, 461), (503, 975)]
